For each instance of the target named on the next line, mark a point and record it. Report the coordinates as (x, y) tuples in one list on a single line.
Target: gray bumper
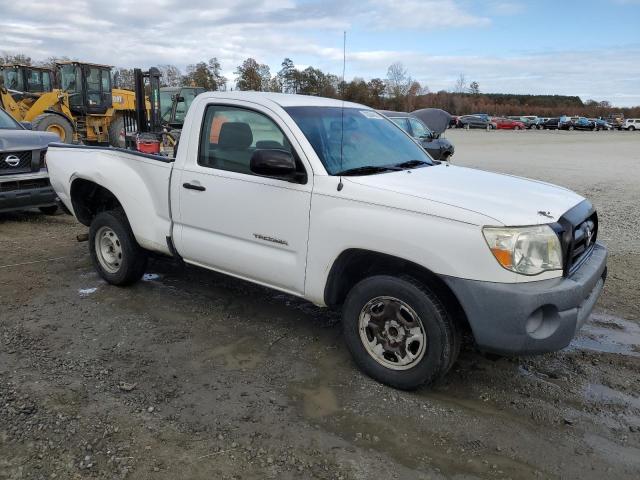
[(27, 198), (533, 317)]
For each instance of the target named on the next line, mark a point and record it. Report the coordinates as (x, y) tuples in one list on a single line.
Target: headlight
[(525, 250)]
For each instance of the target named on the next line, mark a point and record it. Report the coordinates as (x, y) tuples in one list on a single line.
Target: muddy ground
[(192, 375)]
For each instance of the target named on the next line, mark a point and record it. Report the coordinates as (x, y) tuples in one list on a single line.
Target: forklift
[(147, 133)]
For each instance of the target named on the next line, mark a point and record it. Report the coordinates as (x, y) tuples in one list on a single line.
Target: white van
[(631, 124)]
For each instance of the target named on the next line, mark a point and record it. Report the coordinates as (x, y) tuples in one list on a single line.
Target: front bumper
[(532, 317), (22, 195)]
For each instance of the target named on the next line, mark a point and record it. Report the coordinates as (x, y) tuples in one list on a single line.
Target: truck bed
[(139, 181)]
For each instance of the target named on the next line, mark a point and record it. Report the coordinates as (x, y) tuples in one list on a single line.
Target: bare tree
[(398, 80), (171, 76), (474, 88), (461, 84)]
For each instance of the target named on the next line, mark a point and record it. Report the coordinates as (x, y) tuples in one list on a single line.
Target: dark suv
[(439, 148), (24, 181)]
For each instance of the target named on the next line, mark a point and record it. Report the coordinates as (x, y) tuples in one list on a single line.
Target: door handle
[(191, 186)]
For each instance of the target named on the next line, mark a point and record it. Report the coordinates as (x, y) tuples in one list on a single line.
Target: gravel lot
[(189, 374)]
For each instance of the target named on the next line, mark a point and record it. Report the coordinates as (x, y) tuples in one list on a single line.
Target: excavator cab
[(88, 86), (26, 79)]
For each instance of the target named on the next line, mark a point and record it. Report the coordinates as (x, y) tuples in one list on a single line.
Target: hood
[(17, 140), (507, 199), (437, 120)]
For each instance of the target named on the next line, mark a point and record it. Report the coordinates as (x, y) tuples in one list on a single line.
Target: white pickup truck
[(332, 202)]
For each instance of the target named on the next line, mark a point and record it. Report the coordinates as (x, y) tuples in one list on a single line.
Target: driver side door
[(235, 221)]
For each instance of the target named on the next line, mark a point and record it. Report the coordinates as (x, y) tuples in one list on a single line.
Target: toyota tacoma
[(333, 202)]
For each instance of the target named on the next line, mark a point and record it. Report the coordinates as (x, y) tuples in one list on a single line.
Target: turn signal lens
[(525, 250)]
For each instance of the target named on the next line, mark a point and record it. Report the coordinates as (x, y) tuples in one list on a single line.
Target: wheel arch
[(354, 265), (88, 198)]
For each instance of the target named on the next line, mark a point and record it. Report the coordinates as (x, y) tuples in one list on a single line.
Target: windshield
[(166, 103), (367, 140), (12, 79), (8, 123)]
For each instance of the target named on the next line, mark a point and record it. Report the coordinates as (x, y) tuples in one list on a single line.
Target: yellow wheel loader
[(83, 109)]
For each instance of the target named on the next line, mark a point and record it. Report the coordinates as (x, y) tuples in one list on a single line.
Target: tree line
[(396, 91)]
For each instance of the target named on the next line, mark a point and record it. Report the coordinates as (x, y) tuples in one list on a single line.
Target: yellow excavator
[(84, 108)]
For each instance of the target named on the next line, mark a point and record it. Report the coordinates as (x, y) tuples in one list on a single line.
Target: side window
[(402, 123), (34, 81), (230, 135), (94, 96), (419, 130), (188, 94), (46, 82)]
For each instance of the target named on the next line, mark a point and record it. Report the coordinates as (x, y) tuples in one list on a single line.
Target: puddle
[(242, 354), (609, 334), (597, 393), (150, 277), (319, 402), (85, 292)]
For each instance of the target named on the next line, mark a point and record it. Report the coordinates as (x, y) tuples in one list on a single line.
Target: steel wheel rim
[(392, 333), (108, 249), (58, 130)]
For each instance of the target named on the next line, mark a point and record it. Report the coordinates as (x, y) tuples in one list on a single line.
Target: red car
[(508, 124)]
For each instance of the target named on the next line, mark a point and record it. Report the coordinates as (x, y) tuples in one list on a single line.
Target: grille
[(583, 240), (24, 163)]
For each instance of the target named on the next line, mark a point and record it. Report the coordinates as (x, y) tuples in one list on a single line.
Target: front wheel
[(398, 332), (114, 250)]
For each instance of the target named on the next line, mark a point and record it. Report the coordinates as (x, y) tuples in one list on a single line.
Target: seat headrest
[(268, 145), (235, 135)]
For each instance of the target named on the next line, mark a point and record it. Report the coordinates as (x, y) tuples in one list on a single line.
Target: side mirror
[(27, 125), (273, 163)]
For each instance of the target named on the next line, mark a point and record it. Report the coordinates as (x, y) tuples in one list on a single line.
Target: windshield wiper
[(411, 164), (369, 169)]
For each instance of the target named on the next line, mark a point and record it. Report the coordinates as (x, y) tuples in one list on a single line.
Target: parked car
[(601, 124), (550, 124), (330, 201), (472, 121), (24, 181), (439, 148), (529, 121), (631, 124), (508, 124), (578, 123)]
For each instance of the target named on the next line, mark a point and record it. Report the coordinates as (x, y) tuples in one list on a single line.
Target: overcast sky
[(589, 48)]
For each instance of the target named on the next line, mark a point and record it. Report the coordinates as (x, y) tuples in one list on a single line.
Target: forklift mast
[(148, 121)]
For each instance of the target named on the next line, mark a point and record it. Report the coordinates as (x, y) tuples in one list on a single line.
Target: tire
[(54, 123), (466, 126), (117, 132), (516, 127), (428, 360), (49, 210), (488, 128), (632, 128), (115, 254), (571, 128)]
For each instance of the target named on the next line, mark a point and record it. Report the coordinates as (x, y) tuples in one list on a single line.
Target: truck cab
[(88, 86), (27, 79)]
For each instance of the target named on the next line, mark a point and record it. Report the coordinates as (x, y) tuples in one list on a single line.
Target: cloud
[(152, 32)]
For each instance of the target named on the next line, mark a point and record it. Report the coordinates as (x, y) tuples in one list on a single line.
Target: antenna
[(344, 65)]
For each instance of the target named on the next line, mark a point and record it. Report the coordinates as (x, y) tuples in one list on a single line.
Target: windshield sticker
[(370, 114)]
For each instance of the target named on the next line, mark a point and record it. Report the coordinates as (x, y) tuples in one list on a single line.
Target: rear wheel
[(114, 251), (467, 126), (398, 332), (53, 123), (632, 128)]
